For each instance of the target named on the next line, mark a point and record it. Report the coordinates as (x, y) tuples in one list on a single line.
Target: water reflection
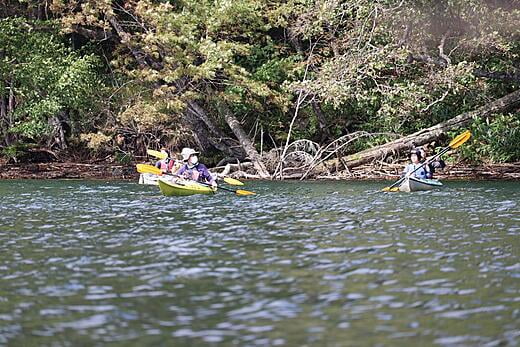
[(300, 263)]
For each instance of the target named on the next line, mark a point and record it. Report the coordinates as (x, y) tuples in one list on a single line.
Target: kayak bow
[(183, 188), (413, 184)]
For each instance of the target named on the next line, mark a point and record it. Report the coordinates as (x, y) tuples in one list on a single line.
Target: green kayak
[(183, 188)]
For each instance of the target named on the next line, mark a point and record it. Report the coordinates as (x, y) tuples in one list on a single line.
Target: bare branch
[(436, 101), (441, 48)]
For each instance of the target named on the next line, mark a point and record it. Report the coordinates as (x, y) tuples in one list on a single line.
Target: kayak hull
[(183, 188), (148, 178), (413, 184)]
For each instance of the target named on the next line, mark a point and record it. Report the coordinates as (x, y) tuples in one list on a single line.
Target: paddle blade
[(390, 189), (241, 192), (157, 154), (232, 181), (459, 140), (144, 168)]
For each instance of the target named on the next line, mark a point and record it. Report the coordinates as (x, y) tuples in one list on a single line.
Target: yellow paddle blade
[(232, 181), (144, 168), (157, 154), (459, 140), (390, 189), (241, 192)]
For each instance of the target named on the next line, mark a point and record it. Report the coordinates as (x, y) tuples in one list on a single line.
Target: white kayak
[(153, 179), (148, 178), (413, 184)]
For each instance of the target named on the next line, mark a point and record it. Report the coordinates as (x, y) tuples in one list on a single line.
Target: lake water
[(314, 263)]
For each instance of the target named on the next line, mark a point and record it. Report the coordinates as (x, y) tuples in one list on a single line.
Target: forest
[(292, 87)]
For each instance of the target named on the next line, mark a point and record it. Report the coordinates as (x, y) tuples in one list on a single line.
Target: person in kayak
[(415, 158), (194, 170), (167, 164), (432, 166)]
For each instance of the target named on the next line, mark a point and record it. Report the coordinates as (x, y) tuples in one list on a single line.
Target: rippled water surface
[(326, 263)]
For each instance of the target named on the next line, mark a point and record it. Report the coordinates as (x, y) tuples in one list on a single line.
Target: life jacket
[(193, 172), (420, 173), (167, 164), (198, 172)]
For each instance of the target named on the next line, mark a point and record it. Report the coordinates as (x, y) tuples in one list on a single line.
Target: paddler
[(415, 158), (166, 164), (432, 166), (194, 170)]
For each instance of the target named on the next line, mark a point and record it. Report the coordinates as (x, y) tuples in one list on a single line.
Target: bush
[(123, 158), (16, 152), (494, 141)]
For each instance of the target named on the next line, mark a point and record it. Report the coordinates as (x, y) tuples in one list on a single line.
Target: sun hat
[(186, 152)]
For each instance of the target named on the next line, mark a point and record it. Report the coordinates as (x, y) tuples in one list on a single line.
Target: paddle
[(157, 154), (161, 155), (232, 181), (144, 168), (456, 142)]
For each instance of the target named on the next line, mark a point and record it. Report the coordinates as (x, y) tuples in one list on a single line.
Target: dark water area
[(314, 263)]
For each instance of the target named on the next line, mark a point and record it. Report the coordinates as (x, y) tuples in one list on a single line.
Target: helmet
[(186, 152)]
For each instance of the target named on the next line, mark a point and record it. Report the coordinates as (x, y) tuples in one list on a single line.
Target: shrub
[(494, 141)]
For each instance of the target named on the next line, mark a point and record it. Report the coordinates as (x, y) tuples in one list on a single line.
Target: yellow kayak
[(183, 188)]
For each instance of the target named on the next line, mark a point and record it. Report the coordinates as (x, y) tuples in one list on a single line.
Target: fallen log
[(423, 136), (245, 142), (230, 168)]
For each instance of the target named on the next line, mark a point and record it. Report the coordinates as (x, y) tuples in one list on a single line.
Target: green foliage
[(496, 141), (277, 70), (123, 158), (44, 76), (15, 151), (388, 67)]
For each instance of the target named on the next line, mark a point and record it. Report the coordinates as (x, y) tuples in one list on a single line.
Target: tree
[(189, 54), (44, 86)]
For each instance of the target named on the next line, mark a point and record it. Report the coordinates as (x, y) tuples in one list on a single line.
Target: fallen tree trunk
[(208, 134), (245, 142), (423, 136), (230, 168)]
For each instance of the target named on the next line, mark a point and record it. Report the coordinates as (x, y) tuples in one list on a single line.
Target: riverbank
[(510, 171), (68, 170)]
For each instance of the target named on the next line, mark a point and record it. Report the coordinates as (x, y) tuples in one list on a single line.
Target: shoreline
[(68, 170)]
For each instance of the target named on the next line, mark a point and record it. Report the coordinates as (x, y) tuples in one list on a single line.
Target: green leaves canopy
[(44, 76)]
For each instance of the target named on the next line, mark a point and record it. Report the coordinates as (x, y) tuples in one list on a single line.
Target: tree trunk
[(222, 141), (11, 104), (58, 134), (499, 75), (126, 38), (4, 126), (245, 142), (426, 135), (322, 122), (207, 139)]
